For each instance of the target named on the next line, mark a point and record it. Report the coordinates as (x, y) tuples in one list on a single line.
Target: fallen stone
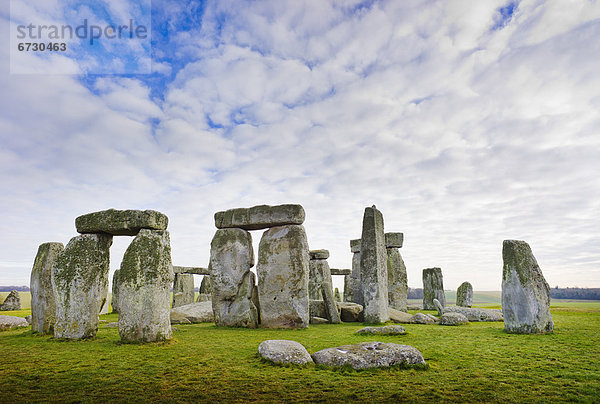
[(398, 316), (12, 302), (373, 268), (114, 324), (193, 313), (114, 299), (525, 292), (464, 295), (438, 307), (29, 319), (475, 314), (351, 312), (318, 254), (369, 355), (394, 240), (10, 322), (453, 319), (385, 330), (183, 290), (433, 288), (317, 308), (43, 303), (260, 217), (420, 318), (283, 266), (145, 281), (318, 320), (80, 284), (284, 352), (121, 222), (397, 279)]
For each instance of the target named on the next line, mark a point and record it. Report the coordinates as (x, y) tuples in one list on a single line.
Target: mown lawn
[(477, 362)]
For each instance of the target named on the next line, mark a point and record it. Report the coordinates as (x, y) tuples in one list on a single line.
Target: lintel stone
[(260, 217), (394, 240), (121, 222)]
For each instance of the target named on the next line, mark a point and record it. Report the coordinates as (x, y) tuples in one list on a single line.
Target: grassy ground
[(477, 362)]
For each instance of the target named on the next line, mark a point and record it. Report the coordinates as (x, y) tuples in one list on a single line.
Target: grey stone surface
[(385, 330), (28, 319), (80, 284), (12, 302), (318, 320), (315, 280), (420, 318), (475, 314), (341, 271), (283, 266), (351, 312), (191, 270), (121, 222), (231, 257), (355, 245), (206, 286), (394, 240), (256, 300), (10, 322), (193, 313), (525, 292), (114, 300), (337, 296), (284, 352), (317, 308), (145, 281), (357, 290), (397, 279), (398, 316), (260, 217), (433, 288), (369, 355), (373, 268), (183, 290), (464, 295), (321, 270), (453, 319), (438, 306), (43, 302), (348, 288), (204, 297), (318, 254), (114, 324)]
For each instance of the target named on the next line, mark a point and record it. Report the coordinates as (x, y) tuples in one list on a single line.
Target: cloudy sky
[(464, 122)]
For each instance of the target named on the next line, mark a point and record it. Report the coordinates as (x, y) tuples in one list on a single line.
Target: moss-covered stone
[(348, 288), (369, 355), (318, 254), (397, 279), (355, 245), (121, 222), (464, 295), (433, 288), (260, 217), (43, 302), (394, 240), (80, 284), (183, 290), (115, 292)]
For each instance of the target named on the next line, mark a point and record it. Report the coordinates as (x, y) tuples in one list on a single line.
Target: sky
[(465, 122)]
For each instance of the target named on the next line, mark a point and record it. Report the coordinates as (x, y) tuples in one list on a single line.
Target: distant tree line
[(575, 293), (17, 288), (415, 293)]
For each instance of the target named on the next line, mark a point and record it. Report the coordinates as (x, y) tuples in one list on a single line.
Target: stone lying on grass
[(121, 222), (351, 312), (385, 330), (398, 316), (369, 355), (114, 324), (453, 319), (284, 352), (9, 322), (318, 320), (476, 314), (420, 318), (12, 302), (193, 313), (260, 217)]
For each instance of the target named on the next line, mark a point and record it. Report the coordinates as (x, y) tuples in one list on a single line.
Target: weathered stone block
[(12, 302), (318, 254), (43, 302), (397, 279), (323, 282), (433, 288), (315, 280), (145, 280), (231, 257), (114, 299), (80, 284), (373, 267), (260, 217), (283, 266), (183, 290), (355, 245), (525, 292), (348, 288), (284, 352), (464, 295), (121, 222), (357, 290), (369, 355), (394, 240)]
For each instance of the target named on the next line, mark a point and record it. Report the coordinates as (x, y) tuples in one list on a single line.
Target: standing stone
[(322, 273), (315, 280), (104, 305), (145, 280), (114, 300), (205, 290), (283, 266), (525, 292), (337, 295), (397, 279), (43, 303), (80, 283), (231, 257), (433, 288), (12, 302), (373, 267), (183, 290), (464, 295), (348, 288), (357, 292)]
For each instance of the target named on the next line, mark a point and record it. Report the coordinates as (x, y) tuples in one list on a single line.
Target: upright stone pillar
[(114, 300), (283, 266), (231, 257), (348, 288), (433, 288), (145, 280), (373, 267), (43, 303), (322, 275), (464, 295), (525, 292), (80, 283), (183, 290), (205, 290), (315, 277), (357, 292), (397, 279)]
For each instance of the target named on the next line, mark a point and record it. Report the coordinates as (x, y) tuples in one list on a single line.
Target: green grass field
[(477, 362)]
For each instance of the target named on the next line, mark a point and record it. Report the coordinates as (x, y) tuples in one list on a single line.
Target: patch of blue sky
[(505, 14)]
